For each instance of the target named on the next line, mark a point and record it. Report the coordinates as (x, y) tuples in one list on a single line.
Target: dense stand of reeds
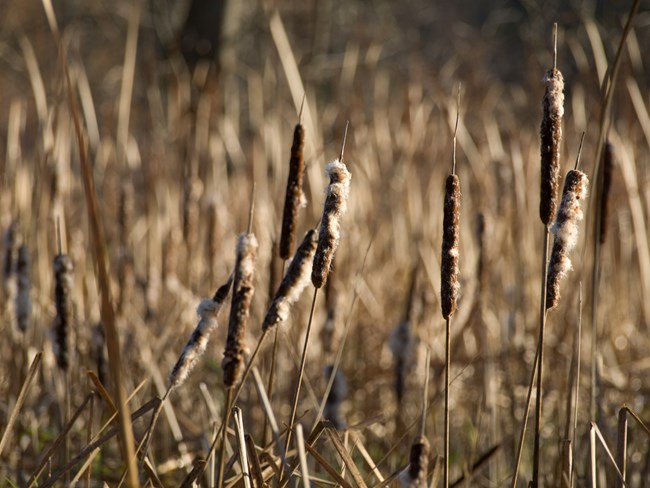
[(144, 166)]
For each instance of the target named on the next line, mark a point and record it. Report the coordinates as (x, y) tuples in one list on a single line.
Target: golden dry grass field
[(127, 175)]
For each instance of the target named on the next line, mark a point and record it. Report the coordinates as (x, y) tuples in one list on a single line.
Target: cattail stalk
[(208, 311), (63, 322), (449, 285), (565, 230), (328, 240), (608, 163), (233, 356), (23, 300)]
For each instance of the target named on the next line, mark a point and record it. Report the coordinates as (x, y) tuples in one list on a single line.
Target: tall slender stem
[(222, 459), (300, 375), (540, 363), (447, 368)]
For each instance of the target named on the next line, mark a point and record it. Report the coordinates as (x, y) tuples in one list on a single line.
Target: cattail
[(565, 230), (416, 474), (335, 207), (337, 395), (98, 341), (450, 238), (63, 282), (294, 195), (403, 344), (208, 310), (608, 162), (212, 244), (328, 332), (9, 254), (242, 295), (293, 283), (23, 300), (551, 137)]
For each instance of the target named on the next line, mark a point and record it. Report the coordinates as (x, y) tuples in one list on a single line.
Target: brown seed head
[(23, 300), (565, 230), (242, 296), (294, 194), (450, 239), (293, 283), (551, 137), (63, 322), (416, 475), (608, 163), (335, 207)]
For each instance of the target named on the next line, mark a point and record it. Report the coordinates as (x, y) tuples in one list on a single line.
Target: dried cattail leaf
[(64, 320), (334, 208), (608, 164), (23, 299), (416, 474), (551, 138), (450, 241), (293, 283), (565, 230), (294, 194), (242, 295)]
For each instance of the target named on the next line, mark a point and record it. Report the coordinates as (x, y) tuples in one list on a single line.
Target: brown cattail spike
[(294, 282), (416, 475), (63, 282), (608, 163), (551, 138), (242, 295), (450, 239), (336, 397), (565, 230), (403, 345), (335, 207), (23, 300), (294, 195)]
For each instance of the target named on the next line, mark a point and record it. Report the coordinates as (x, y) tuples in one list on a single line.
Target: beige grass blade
[(33, 369)]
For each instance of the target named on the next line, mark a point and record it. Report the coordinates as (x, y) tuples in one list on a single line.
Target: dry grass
[(173, 156)]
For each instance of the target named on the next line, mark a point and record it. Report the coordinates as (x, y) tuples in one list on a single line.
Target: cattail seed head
[(242, 295), (293, 283), (98, 341), (565, 230), (551, 137), (9, 249), (208, 310), (334, 208), (608, 163), (195, 347), (416, 474), (450, 240), (337, 395), (63, 282), (23, 300), (403, 344), (294, 194)]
